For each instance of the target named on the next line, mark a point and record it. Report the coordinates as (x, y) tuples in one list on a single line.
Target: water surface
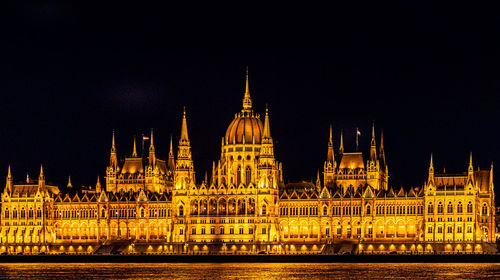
[(248, 271)]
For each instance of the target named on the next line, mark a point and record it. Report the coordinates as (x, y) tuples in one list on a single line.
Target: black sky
[(70, 73)]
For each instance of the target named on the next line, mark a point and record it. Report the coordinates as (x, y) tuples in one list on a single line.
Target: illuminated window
[(181, 210), (6, 213), (450, 207), (429, 229), (221, 230), (193, 230), (231, 230), (460, 207), (440, 230), (212, 230), (264, 230), (440, 208), (325, 210), (264, 209), (248, 175), (484, 210), (368, 210), (469, 207), (203, 231), (241, 230)]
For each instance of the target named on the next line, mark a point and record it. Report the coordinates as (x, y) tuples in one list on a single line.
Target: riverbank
[(445, 258)]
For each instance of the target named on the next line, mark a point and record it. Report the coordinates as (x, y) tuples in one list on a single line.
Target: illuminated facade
[(156, 206)]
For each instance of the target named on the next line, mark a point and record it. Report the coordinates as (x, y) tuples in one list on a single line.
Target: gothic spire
[(330, 156), (184, 131), (152, 155), (247, 100), (113, 159), (381, 148), (431, 166), (69, 185), (41, 173), (9, 174), (134, 150), (267, 127), (341, 148), (373, 148), (171, 160)]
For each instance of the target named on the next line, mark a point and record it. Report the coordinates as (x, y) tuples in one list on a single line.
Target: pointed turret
[(9, 174), (381, 148), (69, 185), (341, 148), (470, 170), (10, 181), (267, 127), (247, 100), (318, 182), (152, 155), (184, 169), (134, 150), (373, 145), (113, 159), (184, 131), (171, 159), (330, 157), (431, 171), (41, 177), (98, 185)]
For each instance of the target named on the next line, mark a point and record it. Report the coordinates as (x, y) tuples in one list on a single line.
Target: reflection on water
[(249, 271)]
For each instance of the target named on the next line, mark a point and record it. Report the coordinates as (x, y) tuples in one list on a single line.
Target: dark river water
[(248, 271)]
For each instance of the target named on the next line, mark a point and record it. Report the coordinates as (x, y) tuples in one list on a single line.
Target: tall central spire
[(247, 101)]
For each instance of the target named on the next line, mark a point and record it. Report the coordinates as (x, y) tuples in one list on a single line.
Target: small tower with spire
[(10, 181), (134, 149), (430, 180), (341, 148), (69, 185), (330, 164), (113, 159), (152, 155), (184, 168)]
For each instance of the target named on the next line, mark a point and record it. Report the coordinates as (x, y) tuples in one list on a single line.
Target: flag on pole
[(145, 138), (358, 133)]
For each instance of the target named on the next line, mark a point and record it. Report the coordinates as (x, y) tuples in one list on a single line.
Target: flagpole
[(357, 134), (142, 151)]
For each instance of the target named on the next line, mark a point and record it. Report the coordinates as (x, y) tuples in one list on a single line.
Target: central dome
[(245, 128)]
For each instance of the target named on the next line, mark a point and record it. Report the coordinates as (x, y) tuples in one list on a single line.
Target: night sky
[(70, 73)]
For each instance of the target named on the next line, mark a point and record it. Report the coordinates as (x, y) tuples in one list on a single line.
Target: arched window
[(440, 208), (450, 207), (460, 207), (238, 176), (30, 213), (264, 209), (469, 207), (181, 210), (484, 210), (325, 210), (368, 210), (23, 213), (14, 213), (103, 213), (248, 175), (6, 213)]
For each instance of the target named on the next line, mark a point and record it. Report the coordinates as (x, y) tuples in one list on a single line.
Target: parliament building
[(155, 206)]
